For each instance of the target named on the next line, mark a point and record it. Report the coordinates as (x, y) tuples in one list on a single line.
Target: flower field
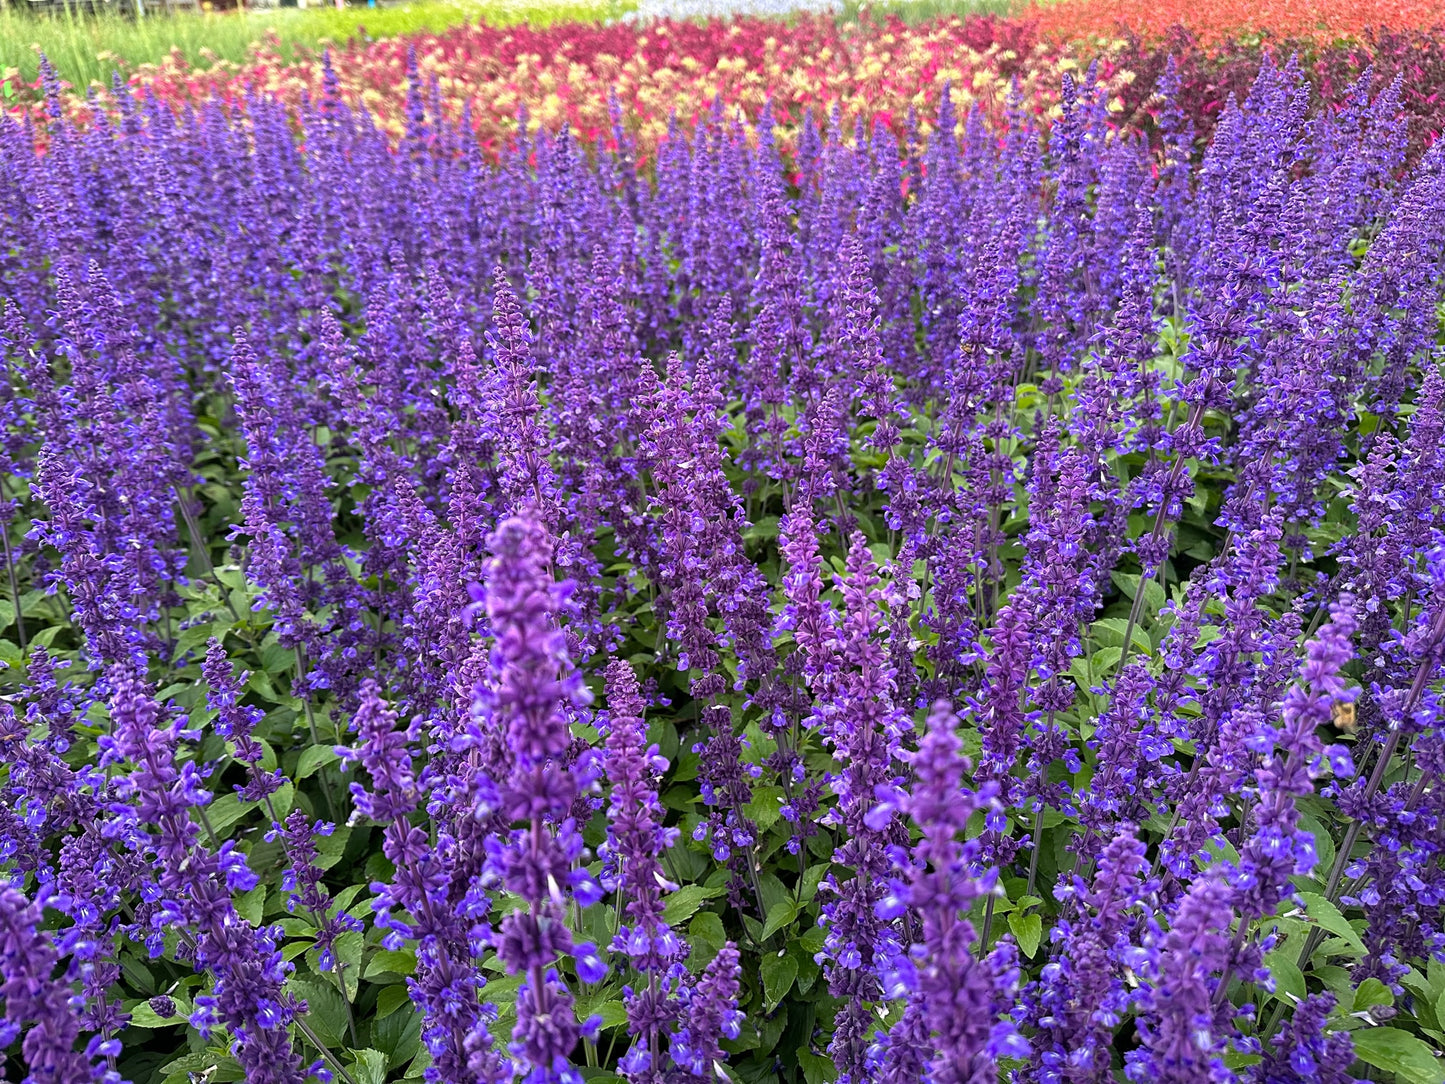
[(91, 47), (1222, 22), (491, 78), (754, 551)]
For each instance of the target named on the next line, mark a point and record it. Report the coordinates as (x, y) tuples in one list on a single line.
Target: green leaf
[(779, 971), (390, 999), (707, 929), (1324, 842), (1372, 992), (773, 890), (419, 1065), (765, 528), (813, 939), (313, 758), (284, 799), (398, 1035), (812, 878), (1400, 1053), (342, 900), (817, 1069), (683, 903), (766, 806), (181, 1070), (1336, 980), (194, 637), (346, 968), (780, 914), (605, 1004), (503, 994), (137, 973), (1089, 670), (45, 637), (369, 1066), (1329, 918), (391, 962), (1109, 631), (808, 968), (261, 682), (231, 576), (1218, 850), (1288, 979), (143, 1016), (325, 1010), (252, 905), (296, 948), (276, 659), (329, 850), (225, 811), (1028, 931), (1128, 583), (613, 1013)]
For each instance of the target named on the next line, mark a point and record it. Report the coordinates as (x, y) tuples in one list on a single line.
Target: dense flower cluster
[(1219, 22), (1210, 72), (939, 599), (644, 76), (647, 73)]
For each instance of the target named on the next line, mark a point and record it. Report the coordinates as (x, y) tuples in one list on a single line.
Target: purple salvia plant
[(192, 886), (710, 1015), (636, 842), (416, 905), (39, 1005), (1183, 1024), (862, 726), (953, 1003), (534, 854)]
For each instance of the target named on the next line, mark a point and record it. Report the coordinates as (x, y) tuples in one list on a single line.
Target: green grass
[(918, 11), (89, 48)]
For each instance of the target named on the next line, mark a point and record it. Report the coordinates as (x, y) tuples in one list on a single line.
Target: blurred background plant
[(914, 12), (90, 44)]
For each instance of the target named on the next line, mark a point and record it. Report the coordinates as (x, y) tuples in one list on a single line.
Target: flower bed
[(937, 609)]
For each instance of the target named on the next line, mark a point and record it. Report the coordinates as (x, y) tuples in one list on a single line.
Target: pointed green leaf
[(780, 914), (779, 971), (391, 961), (143, 1016), (684, 903), (1289, 982), (398, 1035), (1372, 992), (1028, 931), (817, 1069), (707, 929), (325, 1011), (252, 905), (368, 1066), (1398, 1052), (313, 758), (1329, 918), (390, 999)]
